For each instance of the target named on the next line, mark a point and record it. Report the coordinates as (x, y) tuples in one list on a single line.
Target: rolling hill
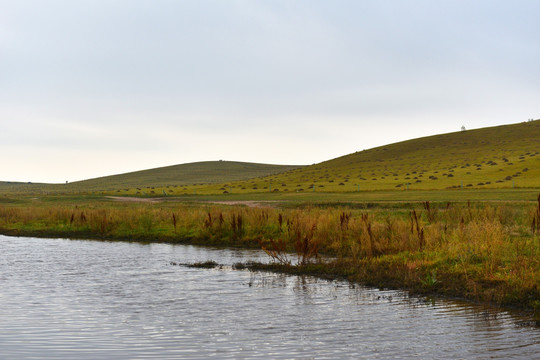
[(190, 174), (495, 157)]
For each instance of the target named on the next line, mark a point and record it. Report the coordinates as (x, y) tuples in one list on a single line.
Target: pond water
[(118, 300)]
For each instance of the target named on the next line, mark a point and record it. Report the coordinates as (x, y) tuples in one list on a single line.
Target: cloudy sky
[(93, 88)]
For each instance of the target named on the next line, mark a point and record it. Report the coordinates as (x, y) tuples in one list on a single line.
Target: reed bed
[(487, 253)]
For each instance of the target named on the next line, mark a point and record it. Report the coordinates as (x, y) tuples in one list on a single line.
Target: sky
[(101, 87)]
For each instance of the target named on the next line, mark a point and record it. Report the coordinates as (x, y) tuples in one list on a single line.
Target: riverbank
[(390, 274), (481, 252)]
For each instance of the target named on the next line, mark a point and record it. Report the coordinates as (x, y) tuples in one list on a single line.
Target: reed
[(478, 251), (535, 226)]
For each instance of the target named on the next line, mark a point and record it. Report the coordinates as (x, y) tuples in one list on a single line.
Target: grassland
[(155, 181), (487, 252), (501, 157), (497, 157), (455, 214)]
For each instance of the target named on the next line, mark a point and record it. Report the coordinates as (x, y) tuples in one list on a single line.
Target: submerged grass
[(480, 251), (210, 264)]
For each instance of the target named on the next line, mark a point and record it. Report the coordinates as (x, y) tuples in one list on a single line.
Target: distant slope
[(9, 187), (197, 173), (495, 157), (501, 156), (206, 172)]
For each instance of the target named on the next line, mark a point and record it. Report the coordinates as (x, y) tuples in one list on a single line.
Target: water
[(115, 300)]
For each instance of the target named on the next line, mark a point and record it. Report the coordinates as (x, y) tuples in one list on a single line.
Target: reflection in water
[(88, 299)]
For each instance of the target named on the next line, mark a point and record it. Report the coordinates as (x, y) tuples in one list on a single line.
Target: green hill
[(495, 157), (489, 158), (169, 177)]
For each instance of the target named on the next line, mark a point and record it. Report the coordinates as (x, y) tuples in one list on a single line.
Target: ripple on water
[(88, 299)]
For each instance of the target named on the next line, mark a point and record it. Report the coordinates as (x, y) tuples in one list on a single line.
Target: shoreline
[(384, 272)]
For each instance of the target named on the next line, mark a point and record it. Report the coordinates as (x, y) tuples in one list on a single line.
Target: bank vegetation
[(483, 252)]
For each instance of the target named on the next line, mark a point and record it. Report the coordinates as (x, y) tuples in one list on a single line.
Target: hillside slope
[(502, 156), (496, 157), (198, 173)]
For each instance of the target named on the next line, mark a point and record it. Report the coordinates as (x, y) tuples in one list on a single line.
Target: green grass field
[(489, 158), (393, 216), (501, 157), (147, 181)]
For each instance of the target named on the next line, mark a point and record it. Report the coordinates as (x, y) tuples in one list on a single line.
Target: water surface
[(117, 300)]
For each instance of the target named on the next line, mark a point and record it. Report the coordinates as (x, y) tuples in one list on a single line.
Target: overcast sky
[(94, 88)]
